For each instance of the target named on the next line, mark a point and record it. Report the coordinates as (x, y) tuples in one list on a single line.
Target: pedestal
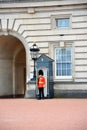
[(31, 90)]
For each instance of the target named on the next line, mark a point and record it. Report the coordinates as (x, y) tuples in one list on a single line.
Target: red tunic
[(41, 82)]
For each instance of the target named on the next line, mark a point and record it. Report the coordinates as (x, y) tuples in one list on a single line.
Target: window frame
[(56, 17), (63, 77), (57, 44)]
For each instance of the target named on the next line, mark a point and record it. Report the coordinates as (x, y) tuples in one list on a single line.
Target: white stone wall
[(34, 23), (81, 61)]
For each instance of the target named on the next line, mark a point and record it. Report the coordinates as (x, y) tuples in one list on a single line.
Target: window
[(63, 59), (63, 23)]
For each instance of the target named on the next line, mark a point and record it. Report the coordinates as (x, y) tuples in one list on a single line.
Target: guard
[(41, 84)]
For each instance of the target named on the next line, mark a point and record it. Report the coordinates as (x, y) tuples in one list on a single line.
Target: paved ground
[(51, 114)]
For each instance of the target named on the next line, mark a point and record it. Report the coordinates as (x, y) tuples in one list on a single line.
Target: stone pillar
[(30, 90)]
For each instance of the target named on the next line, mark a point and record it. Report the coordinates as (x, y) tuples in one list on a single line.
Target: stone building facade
[(59, 28)]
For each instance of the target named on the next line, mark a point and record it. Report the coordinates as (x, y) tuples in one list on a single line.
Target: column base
[(31, 89)]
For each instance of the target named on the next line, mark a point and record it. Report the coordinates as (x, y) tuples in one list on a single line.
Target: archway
[(12, 67)]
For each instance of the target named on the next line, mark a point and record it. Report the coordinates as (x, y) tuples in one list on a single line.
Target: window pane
[(63, 72), (69, 72), (63, 22), (59, 73), (68, 65), (68, 58), (63, 51), (69, 51), (64, 69), (59, 66), (64, 66), (64, 58)]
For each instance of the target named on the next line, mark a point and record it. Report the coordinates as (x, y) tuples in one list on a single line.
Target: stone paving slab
[(49, 114)]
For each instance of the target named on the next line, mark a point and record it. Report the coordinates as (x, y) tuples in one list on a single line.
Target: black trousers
[(41, 93)]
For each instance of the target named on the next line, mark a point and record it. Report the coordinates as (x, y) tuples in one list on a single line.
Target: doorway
[(12, 67)]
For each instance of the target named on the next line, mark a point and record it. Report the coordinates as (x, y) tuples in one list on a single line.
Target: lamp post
[(34, 55)]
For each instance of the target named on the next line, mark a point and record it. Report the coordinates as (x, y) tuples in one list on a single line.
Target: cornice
[(41, 4)]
